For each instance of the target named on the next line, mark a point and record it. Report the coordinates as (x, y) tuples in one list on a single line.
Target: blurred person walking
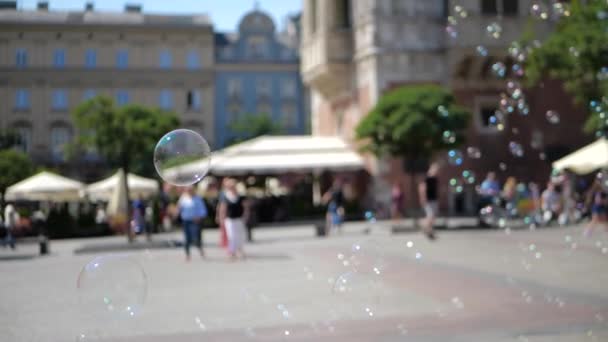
[(218, 219), (509, 196), (428, 193), (334, 198), (233, 212), (192, 211), (11, 218), (550, 203), (397, 197), (599, 209)]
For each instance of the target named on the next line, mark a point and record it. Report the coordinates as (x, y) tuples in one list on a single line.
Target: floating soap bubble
[(452, 28), (455, 157), (473, 152), (573, 51), (443, 111), (602, 75), (499, 69), (461, 12), (456, 185), (449, 137), (552, 117), (182, 157), (516, 149), (539, 11), (360, 294), (468, 177), (517, 70), (481, 50), (494, 30), (112, 286), (560, 9)]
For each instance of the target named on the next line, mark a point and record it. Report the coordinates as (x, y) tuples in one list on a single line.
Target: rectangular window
[(263, 87), (488, 7), (288, 88), (90, 58), (22, 99), (59, 58), (289, 116), (25, 138), (88, 94), (59, 100), (193, 99), (193, 60), (21, 58), (60, 136), (122, 97), (165, 59), (343, 13), (510, 7), (234, 87), (166, 99), (486, 116), (122, 58)]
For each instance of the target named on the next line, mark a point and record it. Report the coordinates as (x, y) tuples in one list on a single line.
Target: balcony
[(326, 61)]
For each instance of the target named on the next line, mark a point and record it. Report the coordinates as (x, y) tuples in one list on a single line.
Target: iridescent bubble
[(358, 293), (481, 50), (502, 166), (602, 75), (448, 137), (468, 177), (512, 86), (560, 9), (452, 28), (112, 286), (494, 30), (573, 51), (499, 69), (552, 117), (455, 185), (182, 157), (539, 11), (473, 152), (516, 149), (517, 70), (443, 111), (455, 157), (461, 12)]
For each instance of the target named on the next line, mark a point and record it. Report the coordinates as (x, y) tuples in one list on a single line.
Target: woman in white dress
[(233, 212)]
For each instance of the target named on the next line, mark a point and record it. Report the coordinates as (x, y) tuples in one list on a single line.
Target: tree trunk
[(125, 167)]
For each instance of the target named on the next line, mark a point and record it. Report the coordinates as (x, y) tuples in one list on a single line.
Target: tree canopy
[(576, 52), (253, 125), (413, 122), (14, 166), (123, 136)]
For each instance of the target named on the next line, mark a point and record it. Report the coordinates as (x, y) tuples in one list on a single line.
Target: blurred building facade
[(257, 73), (51, 61), (354, 51)]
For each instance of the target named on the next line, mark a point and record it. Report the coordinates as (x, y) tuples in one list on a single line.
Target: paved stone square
[(470, 285)]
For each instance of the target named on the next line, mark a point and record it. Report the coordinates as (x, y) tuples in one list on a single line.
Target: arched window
[(24, 131)]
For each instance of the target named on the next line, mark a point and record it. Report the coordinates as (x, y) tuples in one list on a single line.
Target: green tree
[(576, 53), (414, 123), (124, 136), (14, 166), (251, 126)]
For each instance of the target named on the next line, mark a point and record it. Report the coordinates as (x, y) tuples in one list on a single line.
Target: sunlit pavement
[(470, 285)]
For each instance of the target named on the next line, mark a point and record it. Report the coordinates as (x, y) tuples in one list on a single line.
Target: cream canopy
[(279, 154), (587, 159), (138, 186), (45, 186)]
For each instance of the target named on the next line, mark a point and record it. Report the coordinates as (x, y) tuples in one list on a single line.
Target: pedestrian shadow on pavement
[(17, 257)]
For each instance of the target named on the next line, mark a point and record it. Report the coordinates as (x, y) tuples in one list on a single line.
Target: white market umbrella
[(138, 186), (45, 186), (585, 160)]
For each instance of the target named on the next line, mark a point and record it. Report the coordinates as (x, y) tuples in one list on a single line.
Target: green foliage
[(124, 136), (574, 53), (251, 126), (410, 122), (14, 166)]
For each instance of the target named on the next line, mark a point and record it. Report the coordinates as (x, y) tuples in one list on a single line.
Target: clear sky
[(224, 13)]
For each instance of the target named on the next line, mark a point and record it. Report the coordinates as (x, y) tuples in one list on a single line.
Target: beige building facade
[(52, 61)]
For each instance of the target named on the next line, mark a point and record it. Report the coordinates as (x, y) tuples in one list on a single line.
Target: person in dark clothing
[(334, 198), (428, 193), (233, 212)]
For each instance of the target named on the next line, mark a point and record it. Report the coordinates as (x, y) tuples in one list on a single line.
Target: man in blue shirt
[(192, 211), (488, 191)]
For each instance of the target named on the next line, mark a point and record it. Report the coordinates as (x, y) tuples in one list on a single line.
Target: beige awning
[(280, 154), (585, 160), (138, 186), (45, 186)]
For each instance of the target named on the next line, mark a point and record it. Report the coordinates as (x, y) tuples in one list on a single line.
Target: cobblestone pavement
[(470, 285)]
